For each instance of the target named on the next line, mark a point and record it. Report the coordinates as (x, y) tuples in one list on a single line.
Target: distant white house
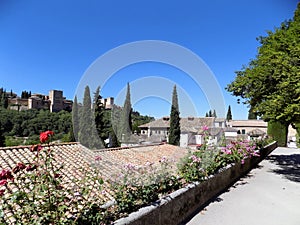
[(249, 128), (190, 130)]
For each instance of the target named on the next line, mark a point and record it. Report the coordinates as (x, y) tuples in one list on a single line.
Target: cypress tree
[(209, 113), (97, 97), (87, 130), (4, 100), (116, 118), (206, 114), (229, 115), (174, 131), (99, 113), (126, 116), (214, 114), (75, 118)]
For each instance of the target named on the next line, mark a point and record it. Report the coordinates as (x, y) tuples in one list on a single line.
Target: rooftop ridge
[(123, 148), (28, 146), (77, 143)]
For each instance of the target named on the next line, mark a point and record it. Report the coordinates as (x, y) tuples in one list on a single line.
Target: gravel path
[(268, 195)]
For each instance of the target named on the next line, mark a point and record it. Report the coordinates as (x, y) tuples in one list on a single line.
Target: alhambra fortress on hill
[(55, 102)]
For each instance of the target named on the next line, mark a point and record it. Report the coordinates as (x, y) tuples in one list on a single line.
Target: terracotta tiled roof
[(74, 156), (159, 123)]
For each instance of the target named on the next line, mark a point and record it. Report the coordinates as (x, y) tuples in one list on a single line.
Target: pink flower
[(242, 161), (129, 166), (195, 159), (163, 159), (205, 128), (98, 158)]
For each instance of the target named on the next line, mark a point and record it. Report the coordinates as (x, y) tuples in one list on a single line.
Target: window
[(243, 131)]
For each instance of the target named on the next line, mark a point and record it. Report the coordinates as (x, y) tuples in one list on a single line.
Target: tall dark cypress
[(87, 129), (99, 114), (75, 118), (174, 131), (126, 117), (229, 115)]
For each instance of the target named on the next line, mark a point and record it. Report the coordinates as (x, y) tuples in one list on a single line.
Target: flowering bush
[(138, 186), (35, 193), (207, 159), (236, 151)]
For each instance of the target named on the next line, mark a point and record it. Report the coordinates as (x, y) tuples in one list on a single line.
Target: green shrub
[(278, 132)]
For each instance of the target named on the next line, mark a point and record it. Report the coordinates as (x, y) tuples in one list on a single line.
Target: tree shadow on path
[(289, 166)]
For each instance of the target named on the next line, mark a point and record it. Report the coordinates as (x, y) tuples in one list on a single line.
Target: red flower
[(57, 175), (45, 136), (35, 148), (18, 167), (6, 174), (3, 182), (21, 165), (31, 167)]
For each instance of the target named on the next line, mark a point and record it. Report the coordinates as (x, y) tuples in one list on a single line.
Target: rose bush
[(35, 193)]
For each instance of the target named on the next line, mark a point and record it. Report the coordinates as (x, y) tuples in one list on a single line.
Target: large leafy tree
[(270, 82), (174, 131)]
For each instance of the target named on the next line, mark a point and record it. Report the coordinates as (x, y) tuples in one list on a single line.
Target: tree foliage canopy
[(270, 82)]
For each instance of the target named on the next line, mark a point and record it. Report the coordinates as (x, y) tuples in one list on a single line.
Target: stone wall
[(181, 204)]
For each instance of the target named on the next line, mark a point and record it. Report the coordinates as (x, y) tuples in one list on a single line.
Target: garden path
[(269, 195)]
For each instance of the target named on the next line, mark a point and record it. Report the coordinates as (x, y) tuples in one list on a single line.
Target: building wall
[(57, 100), (245, 126)]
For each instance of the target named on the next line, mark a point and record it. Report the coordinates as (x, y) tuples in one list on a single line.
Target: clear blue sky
[(48, 45)]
